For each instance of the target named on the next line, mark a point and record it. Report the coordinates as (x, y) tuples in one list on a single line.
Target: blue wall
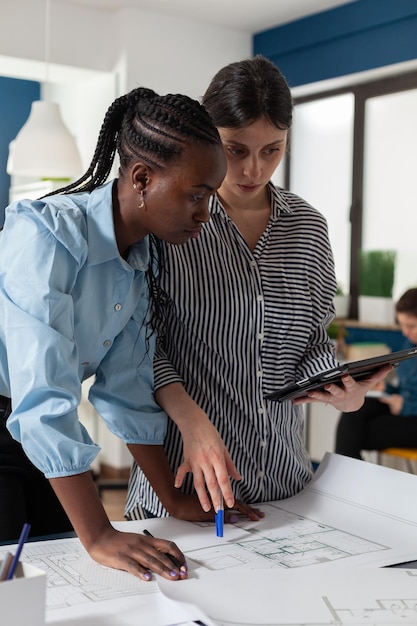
[(16, 97), (353, 37)]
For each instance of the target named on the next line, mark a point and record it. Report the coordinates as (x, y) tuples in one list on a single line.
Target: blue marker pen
[(23, 536), (220, 517)]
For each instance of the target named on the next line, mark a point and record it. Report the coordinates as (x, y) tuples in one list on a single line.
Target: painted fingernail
[(172, 573), (147, 575), (184, 568)]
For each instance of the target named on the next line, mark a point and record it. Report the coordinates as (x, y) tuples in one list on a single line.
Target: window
[(353, 156), (321, 150)]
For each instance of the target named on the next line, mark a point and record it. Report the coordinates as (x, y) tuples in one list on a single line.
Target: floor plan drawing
[(390, 611), (74, 578), (295, 541)]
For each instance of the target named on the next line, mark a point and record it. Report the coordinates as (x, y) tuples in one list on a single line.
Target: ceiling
[(247, 15)]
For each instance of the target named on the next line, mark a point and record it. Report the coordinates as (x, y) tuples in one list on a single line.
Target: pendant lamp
[(44, 147)]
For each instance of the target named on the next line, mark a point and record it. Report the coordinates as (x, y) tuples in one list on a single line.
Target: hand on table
[(131, 552), (138, 554)]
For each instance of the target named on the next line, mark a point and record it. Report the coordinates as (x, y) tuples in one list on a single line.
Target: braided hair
[(144, 125)]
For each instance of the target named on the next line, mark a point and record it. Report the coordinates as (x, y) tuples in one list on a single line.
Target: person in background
[(78, 285), (389, 421), (247, 308)]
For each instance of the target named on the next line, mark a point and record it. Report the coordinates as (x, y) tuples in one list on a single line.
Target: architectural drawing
[(73, 578), (391, 612), (295, 541)]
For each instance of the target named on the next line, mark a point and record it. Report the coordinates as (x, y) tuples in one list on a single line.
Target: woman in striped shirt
[(248, 303)]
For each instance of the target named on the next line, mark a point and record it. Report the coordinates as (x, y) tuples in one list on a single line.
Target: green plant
[(336, 331), (333, 330), (376, 272)]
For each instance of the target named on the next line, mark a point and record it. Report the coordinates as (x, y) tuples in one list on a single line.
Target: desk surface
[(81, 592)]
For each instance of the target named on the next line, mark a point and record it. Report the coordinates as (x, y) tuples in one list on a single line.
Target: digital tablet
[(359, 370)]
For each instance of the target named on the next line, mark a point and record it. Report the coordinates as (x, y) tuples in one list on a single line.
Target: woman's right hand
[(205, 454)]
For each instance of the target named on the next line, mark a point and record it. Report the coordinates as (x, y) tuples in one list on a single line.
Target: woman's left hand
[(351, 396)]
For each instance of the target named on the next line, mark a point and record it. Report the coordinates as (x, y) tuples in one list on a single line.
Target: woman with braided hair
[(76, 270)]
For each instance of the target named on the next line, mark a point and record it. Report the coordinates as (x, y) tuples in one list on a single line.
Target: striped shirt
[(239, 325)]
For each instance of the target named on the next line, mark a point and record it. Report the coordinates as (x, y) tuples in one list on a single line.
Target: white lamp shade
[(44, 147)]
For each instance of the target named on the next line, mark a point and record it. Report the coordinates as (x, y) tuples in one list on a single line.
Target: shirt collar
[(278, 203), (102, 245)]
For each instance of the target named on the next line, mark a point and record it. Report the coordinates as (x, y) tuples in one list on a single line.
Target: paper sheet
[(345, 597)]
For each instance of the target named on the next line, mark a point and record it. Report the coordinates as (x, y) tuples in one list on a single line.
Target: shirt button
[(260, 298), (107, 343), (253, 263), (259, 373), (262, 443), (117, 307), (260, 335), (260, 410), (261, 474)]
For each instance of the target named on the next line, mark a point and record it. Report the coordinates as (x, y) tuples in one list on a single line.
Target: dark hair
[(144, 125), (407, 303), (244, 91)]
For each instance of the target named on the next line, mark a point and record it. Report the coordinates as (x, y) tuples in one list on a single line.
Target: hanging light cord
[(47, 39)]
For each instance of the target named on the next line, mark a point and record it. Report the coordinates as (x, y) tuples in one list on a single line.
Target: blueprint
[(295, 541), (74, 578), (79, 588)]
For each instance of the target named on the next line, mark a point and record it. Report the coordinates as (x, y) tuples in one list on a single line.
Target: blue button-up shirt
[(71, 307)]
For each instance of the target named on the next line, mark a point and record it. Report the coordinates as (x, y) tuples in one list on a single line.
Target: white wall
[(79, 36), (115, 50), (176, 55), (95, 55)]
